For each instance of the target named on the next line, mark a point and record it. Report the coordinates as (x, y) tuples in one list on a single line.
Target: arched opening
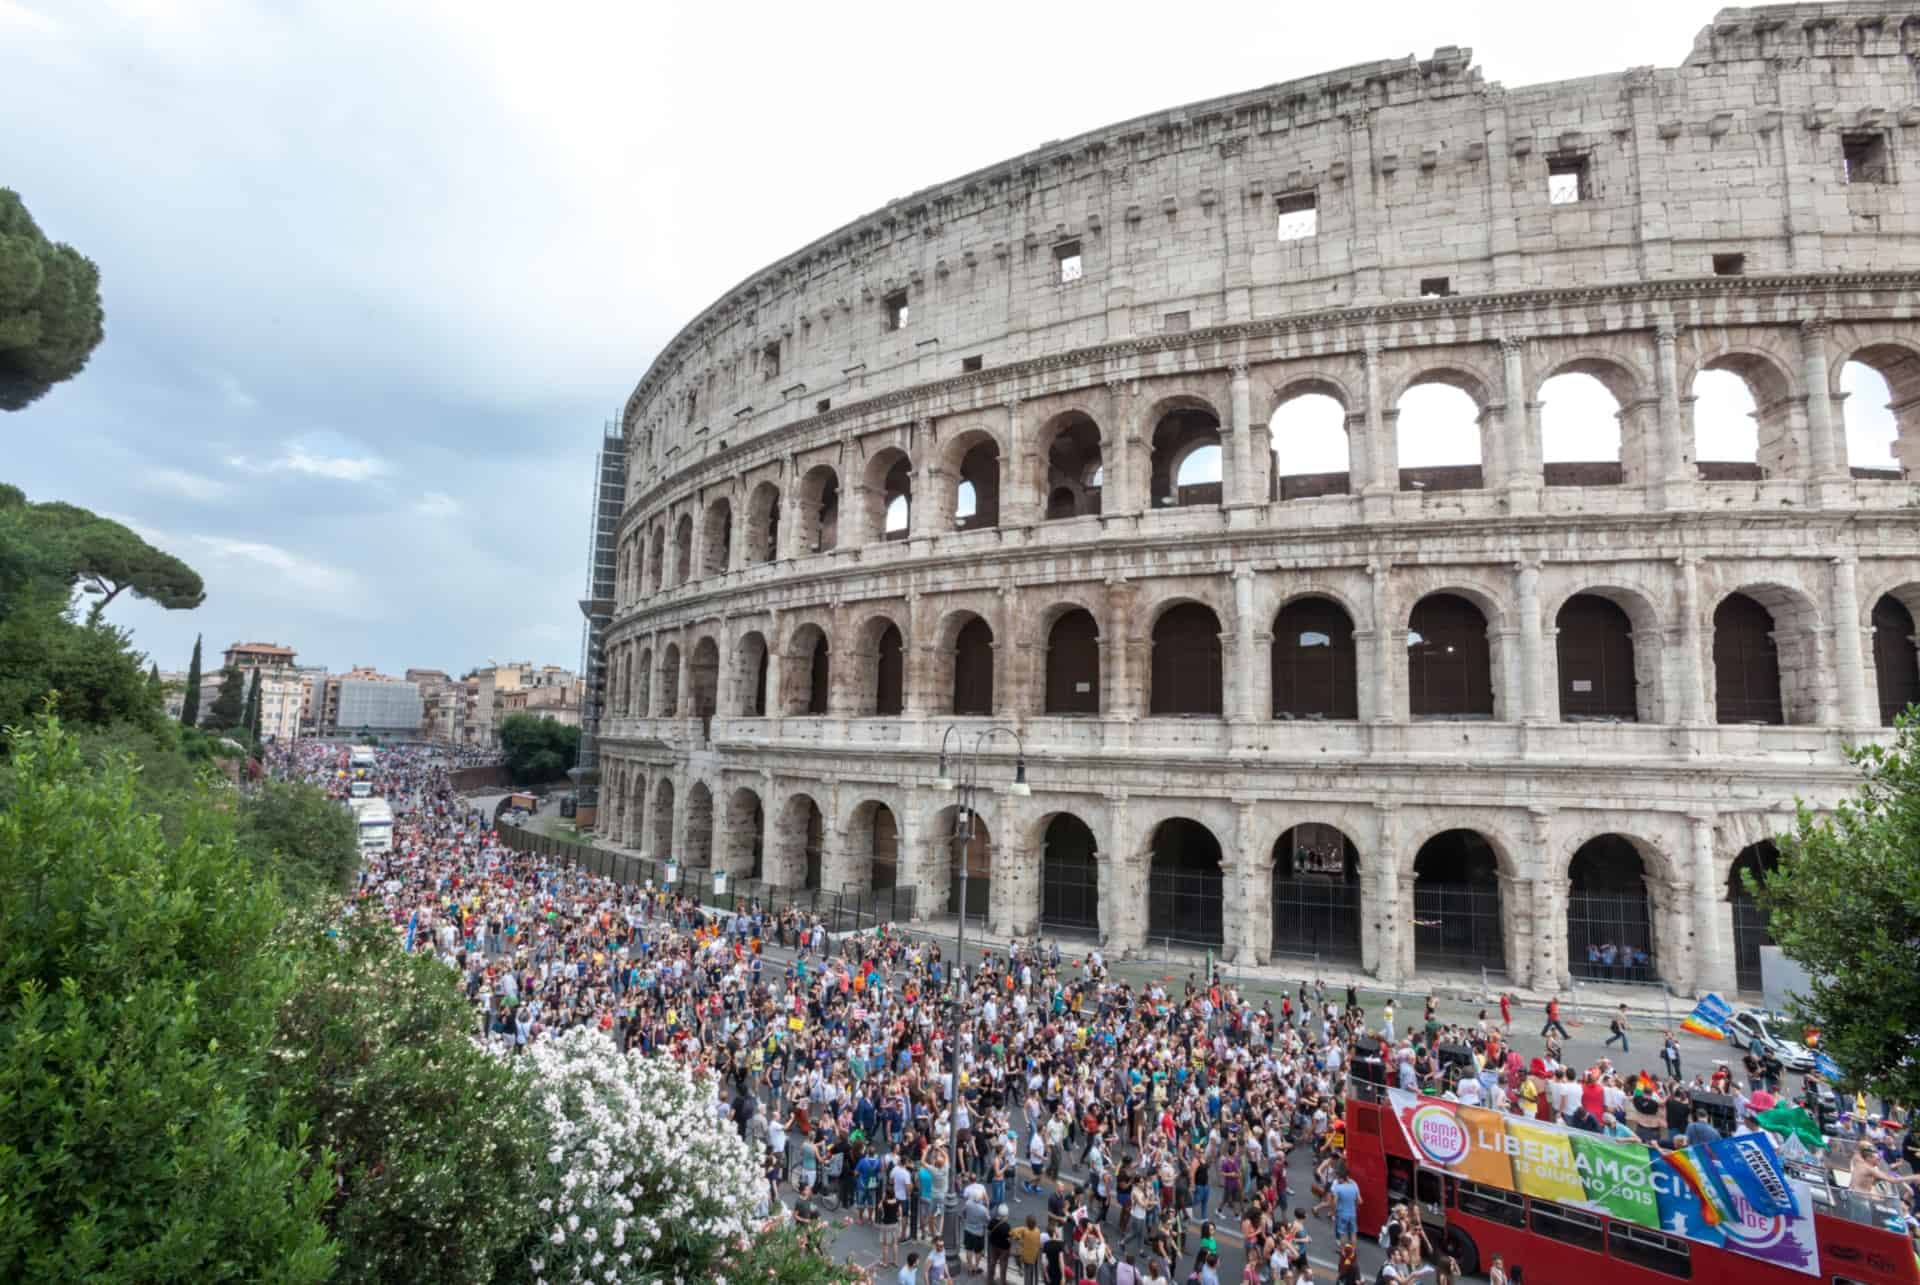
[(819, 510), (659, 556), (643, 685), (750, 675), (1449, 662), (703, 681), (1186, 662), (1185, 883), (977, 853), (1186, 459), (890, 673), (634, 834), (716, 539), (663, 821), (1438, 438), (683, 549), (1594, 641), (1316, 894), (1880, 385), (670, 682), (1750, 931), (1074, 470), (1313, 661), (1746, 421), (1310, 448), (973, 668), (1073, 664), (889, 494), (1746, 663), (976, 501), (698, 850), (809, 672), (876, 835), (746, 835), (1069, 877), (1895, 670), (763, 524), (1456, 904), (1579, 431), (1609, 919)]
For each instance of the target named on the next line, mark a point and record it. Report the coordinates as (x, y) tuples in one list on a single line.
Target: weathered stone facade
[(1053, 335)]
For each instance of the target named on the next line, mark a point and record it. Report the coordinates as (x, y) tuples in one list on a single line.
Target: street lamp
[(967, 785)]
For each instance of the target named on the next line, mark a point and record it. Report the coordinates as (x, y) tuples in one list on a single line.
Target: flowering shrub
[(648, 1182)]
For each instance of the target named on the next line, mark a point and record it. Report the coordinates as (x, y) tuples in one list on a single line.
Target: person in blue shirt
[(1346, 1206)]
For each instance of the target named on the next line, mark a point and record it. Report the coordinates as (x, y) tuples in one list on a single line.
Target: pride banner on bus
[(1740, 1200)]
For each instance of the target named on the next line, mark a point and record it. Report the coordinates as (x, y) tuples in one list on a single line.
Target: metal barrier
[(848, 910)]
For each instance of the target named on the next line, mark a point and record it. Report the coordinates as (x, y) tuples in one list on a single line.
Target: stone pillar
[(1123, 904), (1383, 477), (737, 517), (1826, 443), (1386, 705), (1239, 489), (1244, 627), (1019, 505), (1520, 450), (1549, 901), (1693, 641), (723, 681), (1013, 907), (920, 508), (1249, 927), (1120, 701), (912, 852), (1856, 706), (1712, 918), (1386, 938), (1120, 491), (1676, 455), (1533, 705), (790, 519)]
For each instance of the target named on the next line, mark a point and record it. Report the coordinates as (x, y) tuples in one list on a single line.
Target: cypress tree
[(251, 718), (190, 709), (229, 702)]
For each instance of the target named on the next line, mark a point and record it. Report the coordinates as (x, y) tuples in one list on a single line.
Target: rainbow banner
[(1709, 1017), (1735, 1196)]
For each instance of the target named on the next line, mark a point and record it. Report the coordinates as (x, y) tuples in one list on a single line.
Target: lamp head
[(943, 781), (1020, 789)]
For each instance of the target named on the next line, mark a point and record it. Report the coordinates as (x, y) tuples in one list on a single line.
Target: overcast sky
[(376, 275)]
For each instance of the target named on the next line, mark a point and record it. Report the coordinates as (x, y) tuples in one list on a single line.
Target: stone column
[(790, 519), (1712, 919), (1118, 490), (1019, 506), (920, 508), (1386, 945), (912, 852), (1693, 642), (1533, 706), (1549, 901), (1244, 626), (1382, 452), (1120, 701), (1826, 443), (737, 518), (1855, 708), (724, 680), (1249, 930), (1386, 706), (1520, 451), (1123, 910), (1240, 488), (1676, 472)]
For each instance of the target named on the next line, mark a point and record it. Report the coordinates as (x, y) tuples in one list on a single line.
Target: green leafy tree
[(538, 749), (50, 314), (91, 670), (1845, 903), (303, 838), (435, 1140), (229, 701), (139, 991), (190, 708), (104, 559)]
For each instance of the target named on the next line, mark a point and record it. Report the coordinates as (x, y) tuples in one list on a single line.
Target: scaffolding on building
[(609, 495)]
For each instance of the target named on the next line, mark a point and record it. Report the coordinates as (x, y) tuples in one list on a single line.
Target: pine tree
[(190, 710), (250, 718), (229, 703)]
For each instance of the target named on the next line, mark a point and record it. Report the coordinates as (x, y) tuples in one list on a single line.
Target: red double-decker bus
[(1560, 1244)]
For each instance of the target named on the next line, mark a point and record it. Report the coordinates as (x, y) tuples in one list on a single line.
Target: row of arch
[(1761, 643), (1592, 417), (1459, 917)]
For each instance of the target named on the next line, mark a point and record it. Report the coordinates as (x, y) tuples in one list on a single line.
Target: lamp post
[(967, 786)]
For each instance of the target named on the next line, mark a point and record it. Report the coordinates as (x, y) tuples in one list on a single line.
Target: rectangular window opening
[(1435, 288), (1729, 265), (1299, 216), (770, 361), (1067, 256), (1865, 156), (897, 313), (822, 406), (969, 364), (1569, 179), (1174, 322)]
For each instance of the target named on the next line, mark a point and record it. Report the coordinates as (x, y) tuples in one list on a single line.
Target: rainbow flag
[(1708, 1018), (1697, 1173)]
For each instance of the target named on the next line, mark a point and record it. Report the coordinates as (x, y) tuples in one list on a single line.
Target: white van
[(361, 789)]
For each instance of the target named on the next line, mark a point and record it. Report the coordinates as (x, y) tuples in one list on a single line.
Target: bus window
[(1569, 1226), (1478, 1200), (1399, 1179), (1431, 1195), (1654, 1250)]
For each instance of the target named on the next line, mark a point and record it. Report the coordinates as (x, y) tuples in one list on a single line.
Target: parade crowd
[(1154, 1119)]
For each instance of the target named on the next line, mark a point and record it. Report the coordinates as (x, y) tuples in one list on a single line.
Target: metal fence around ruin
[(847, 910)]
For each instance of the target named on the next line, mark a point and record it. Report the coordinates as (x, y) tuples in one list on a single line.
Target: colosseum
[(1319, 484)]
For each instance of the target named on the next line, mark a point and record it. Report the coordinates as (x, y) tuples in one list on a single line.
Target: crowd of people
[(1155, 1119)]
